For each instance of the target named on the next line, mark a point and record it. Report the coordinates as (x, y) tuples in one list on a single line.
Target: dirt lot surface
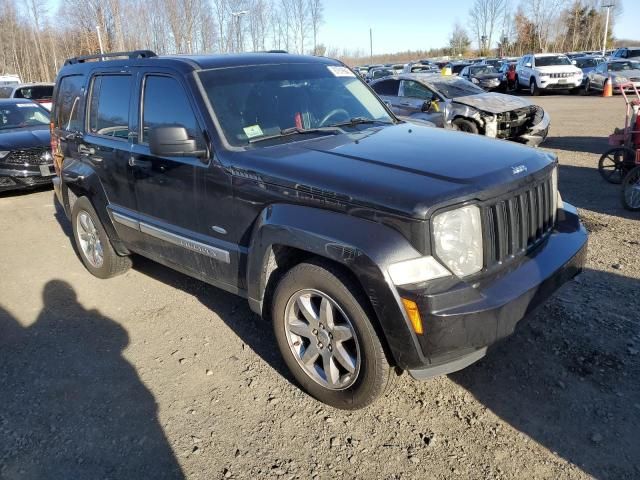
[(155, 375)]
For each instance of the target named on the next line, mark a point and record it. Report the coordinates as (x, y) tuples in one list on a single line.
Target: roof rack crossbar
[(134, 54)]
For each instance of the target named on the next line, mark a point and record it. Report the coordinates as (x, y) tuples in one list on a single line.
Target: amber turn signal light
[(414, 315)]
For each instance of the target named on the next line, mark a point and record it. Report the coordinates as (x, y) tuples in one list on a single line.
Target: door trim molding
[(173, 238)]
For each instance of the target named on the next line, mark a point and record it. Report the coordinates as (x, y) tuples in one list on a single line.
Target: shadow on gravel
[(71, 406), (233, 310), (584, 188), (569, 379), (595, 145)]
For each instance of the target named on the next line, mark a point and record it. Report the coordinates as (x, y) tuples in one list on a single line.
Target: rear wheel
[(616, 163), (587, 88), (631, 190), (465, 125), (93, 244), (324, 332)]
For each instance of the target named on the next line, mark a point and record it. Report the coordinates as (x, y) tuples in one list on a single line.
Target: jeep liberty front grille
[(29, 156), (514, 225)]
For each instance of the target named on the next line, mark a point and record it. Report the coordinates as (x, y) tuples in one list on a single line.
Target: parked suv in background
[(548, 71), (370, 243), (626, 53)]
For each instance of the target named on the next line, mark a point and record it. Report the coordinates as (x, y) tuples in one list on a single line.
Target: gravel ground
[(155, 375)]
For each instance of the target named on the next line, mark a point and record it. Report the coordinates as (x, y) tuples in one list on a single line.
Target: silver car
[(619, 71), (455, 103)]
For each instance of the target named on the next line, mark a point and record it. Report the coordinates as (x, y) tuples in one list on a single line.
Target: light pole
[(606, 27), (238, 17)]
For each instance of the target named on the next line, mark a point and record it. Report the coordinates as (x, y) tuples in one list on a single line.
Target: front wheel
[(631, 190), (324, 331), (533, 88), (93, 244), (616, 163), (465, 125)]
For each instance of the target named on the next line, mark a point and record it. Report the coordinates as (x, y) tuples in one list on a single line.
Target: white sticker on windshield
[(341, 71), (253, 131)]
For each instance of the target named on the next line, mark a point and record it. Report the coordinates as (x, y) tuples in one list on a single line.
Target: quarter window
[(166, 104), (68, 103), (109, 107)]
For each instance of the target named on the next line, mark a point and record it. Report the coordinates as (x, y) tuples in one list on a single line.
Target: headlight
[(458, 239), (4, 154), (475, 80), (620, 79), (417, 270)]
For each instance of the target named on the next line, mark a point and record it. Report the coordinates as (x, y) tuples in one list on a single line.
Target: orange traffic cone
[(607, 91)]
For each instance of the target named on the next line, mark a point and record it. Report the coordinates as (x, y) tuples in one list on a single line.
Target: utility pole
[(238, 17), (99, 39), (371, 45), (606, 27)]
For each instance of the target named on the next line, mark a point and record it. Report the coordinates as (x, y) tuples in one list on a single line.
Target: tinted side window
[(387, 87), (67, 108), (109, 105), (416, 90), (165, 104)]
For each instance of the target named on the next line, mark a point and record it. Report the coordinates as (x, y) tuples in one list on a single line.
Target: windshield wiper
[(285, 132), (360, 121)]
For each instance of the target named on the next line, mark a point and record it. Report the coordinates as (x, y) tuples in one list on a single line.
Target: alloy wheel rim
[(89, 240), (322, 339)]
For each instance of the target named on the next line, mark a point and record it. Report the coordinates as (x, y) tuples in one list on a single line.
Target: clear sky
[(400, 25)]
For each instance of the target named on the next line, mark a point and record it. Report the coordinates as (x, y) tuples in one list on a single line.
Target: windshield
[(18, 115), (263, 100), (586, 62), (383, 72), (552, 61), (483, 70), (622, 66), (455, 87)]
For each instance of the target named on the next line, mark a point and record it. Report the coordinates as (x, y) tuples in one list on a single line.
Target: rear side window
[(387, 87), (40, 92), (165, 104), (634, 53), (5, 92), (109, 105), (67, 107)]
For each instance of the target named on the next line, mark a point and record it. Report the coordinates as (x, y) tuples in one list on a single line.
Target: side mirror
[(528, 65), (426, 106), (173, 142)]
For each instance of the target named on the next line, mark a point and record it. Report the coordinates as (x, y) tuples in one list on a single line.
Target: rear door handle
[(136, 162)]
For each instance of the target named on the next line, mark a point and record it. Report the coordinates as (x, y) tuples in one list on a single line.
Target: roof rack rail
[(134, 54)]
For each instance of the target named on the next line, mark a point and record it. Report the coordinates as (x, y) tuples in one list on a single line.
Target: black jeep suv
[(371, 243)]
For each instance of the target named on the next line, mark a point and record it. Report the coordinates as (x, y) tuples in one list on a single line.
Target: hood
[(559, 69), (405, 169), (626, 73), (493, 102), (487, 76), (25, 137)]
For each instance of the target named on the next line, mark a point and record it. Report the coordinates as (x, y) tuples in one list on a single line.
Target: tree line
[(34, 41)]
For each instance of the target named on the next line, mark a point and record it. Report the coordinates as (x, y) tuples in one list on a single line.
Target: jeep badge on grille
[(518, 169)]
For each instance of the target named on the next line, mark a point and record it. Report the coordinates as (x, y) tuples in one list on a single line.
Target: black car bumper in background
[(27, 177), (462, 320)]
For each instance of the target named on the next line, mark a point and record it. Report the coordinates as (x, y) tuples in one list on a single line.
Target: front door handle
[(136, 162), (84, 150)]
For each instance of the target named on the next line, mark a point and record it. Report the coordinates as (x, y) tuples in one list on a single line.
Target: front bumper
[(538, 133), (547, 83), (462, 319), (27, 177)]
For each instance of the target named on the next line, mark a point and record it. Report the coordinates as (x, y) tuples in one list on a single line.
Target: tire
[(315, 285), (90, 237), (533, 88), (587, 88), (615, 163), (465, 125), (631, 190)]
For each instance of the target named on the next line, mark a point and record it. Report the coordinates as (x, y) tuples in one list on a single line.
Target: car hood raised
[(404, 169), (493, 102), (25, 137)]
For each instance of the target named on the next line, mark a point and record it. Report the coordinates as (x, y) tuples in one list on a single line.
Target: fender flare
[(80, 180), (364, 247)]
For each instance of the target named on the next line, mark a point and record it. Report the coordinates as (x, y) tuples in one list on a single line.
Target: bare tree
[(316, 11), (486, 16)]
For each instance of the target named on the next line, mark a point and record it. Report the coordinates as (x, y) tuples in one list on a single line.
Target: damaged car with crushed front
[(373, 245), (455, 103)]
